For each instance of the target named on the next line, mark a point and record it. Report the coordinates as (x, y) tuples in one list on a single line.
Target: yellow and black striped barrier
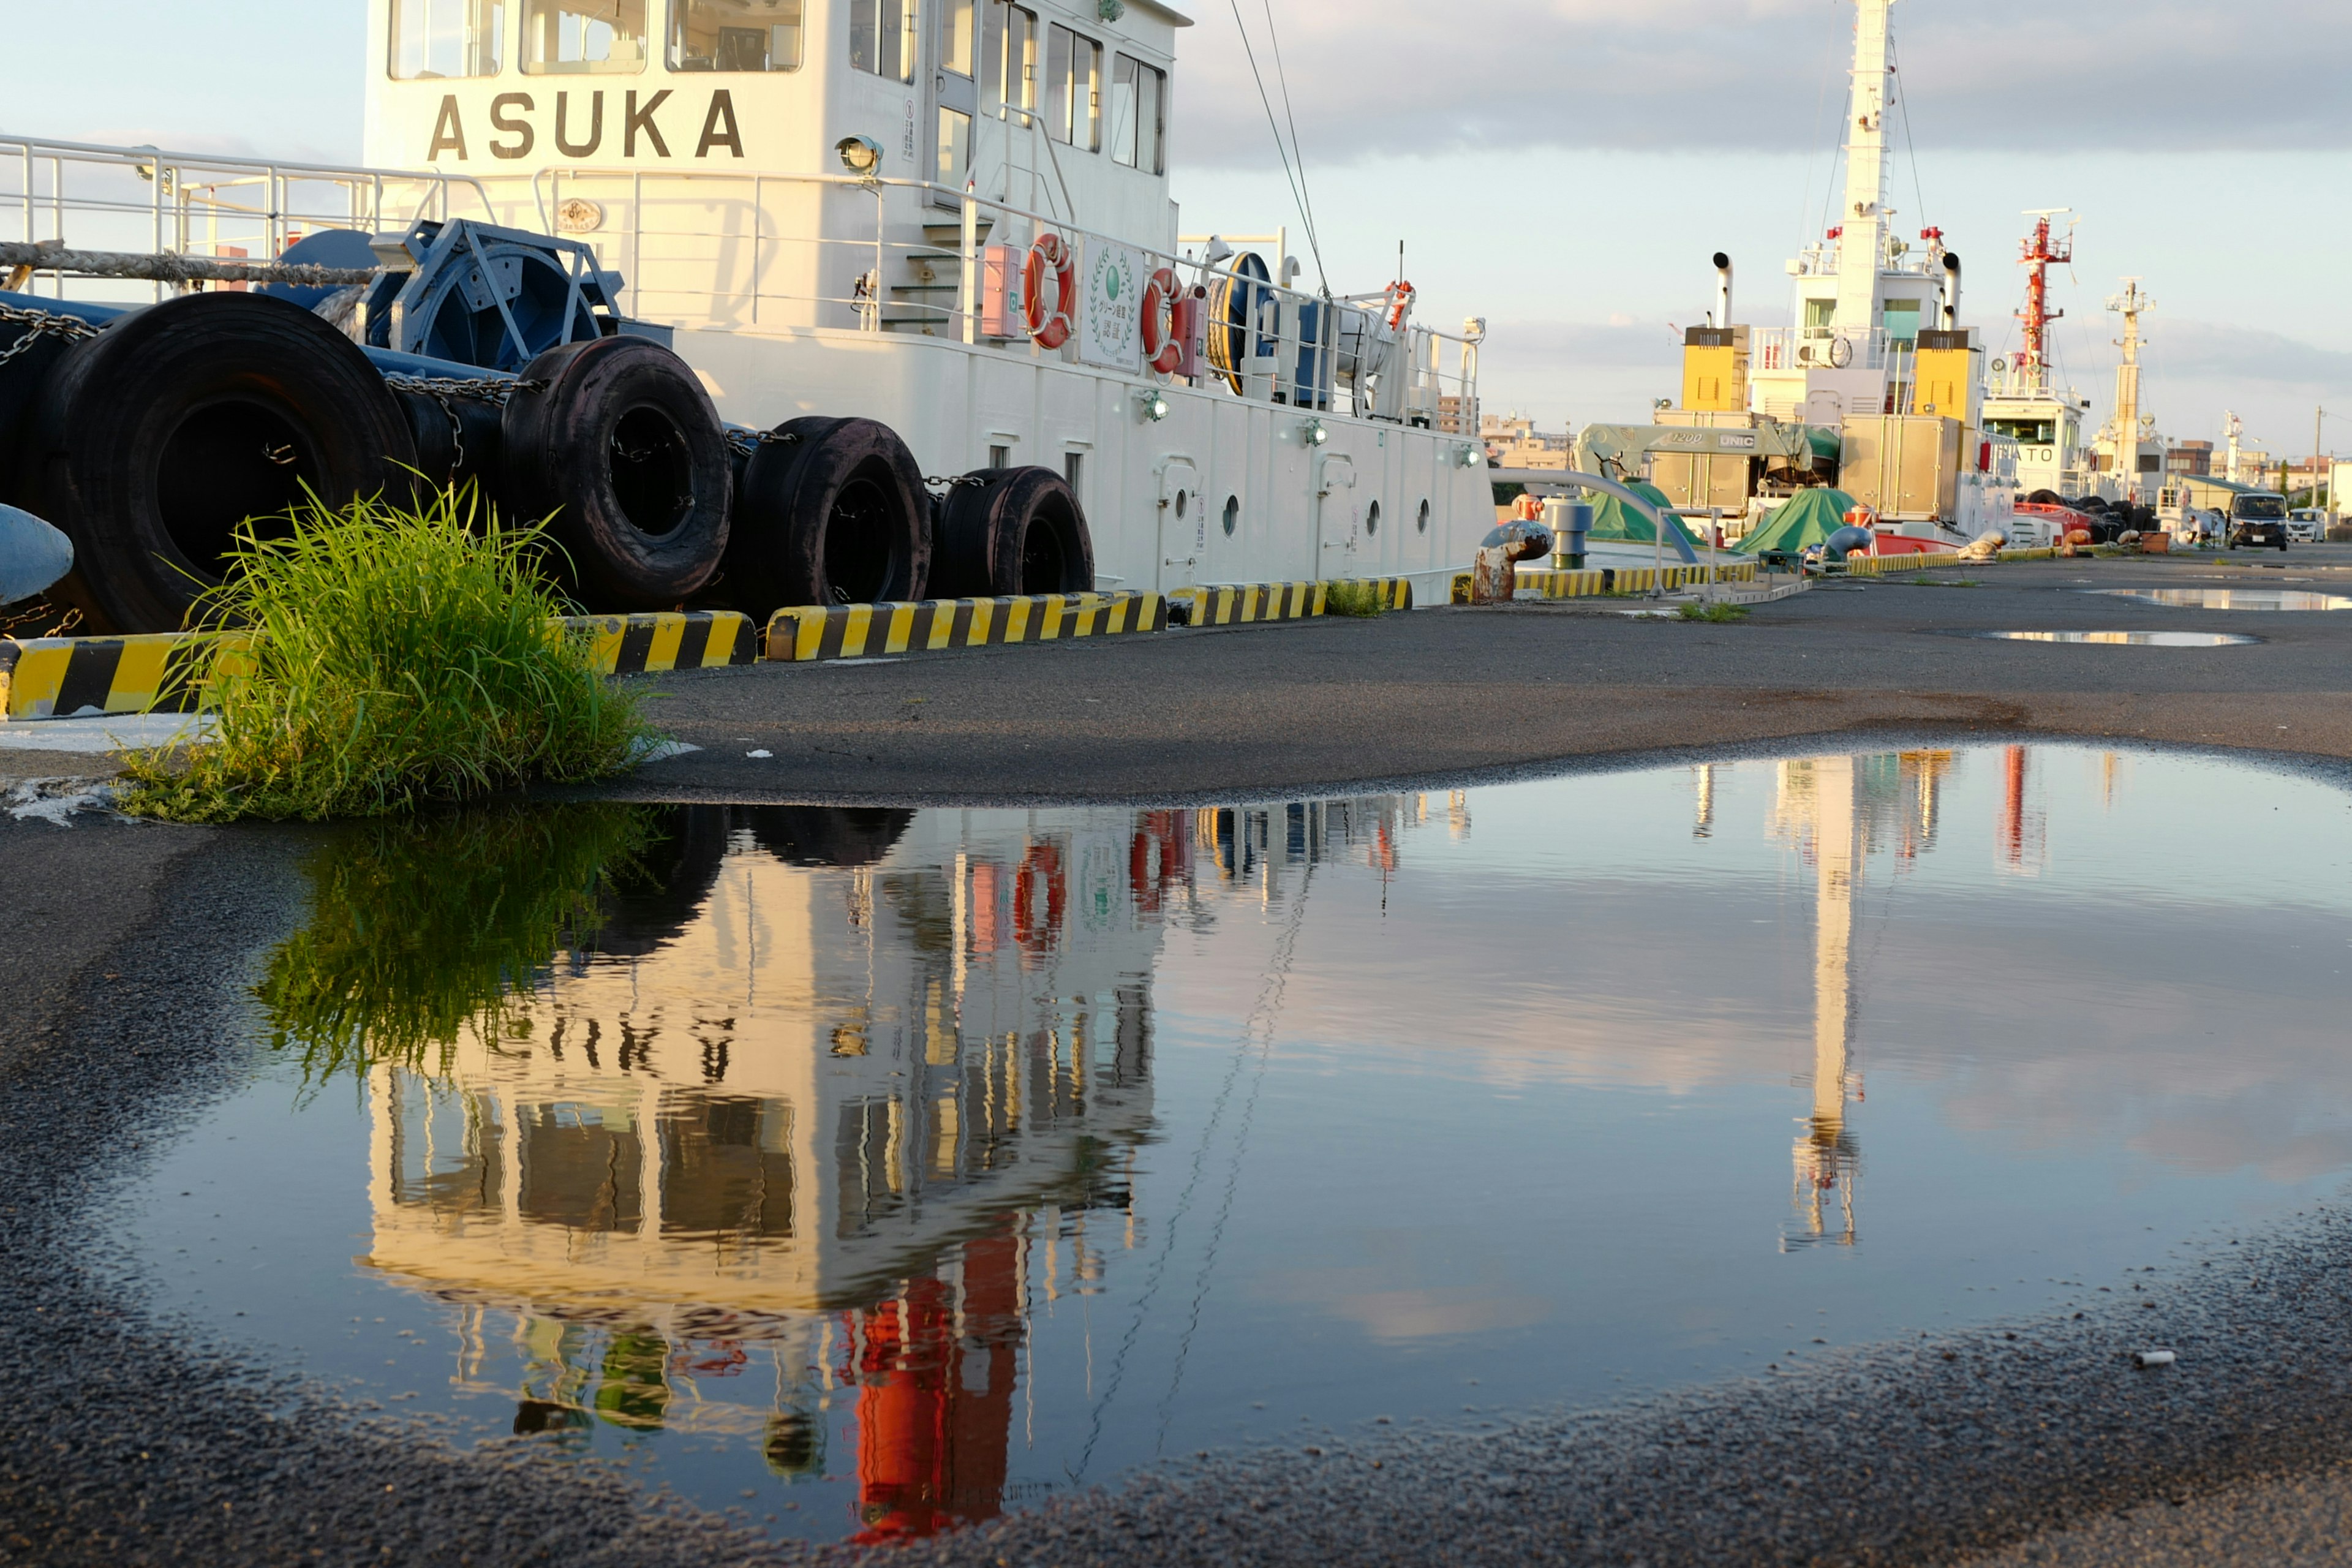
[(71, 678), (1879, 565), (871, 631), (1246, 604), (1592, 581), (667, 639)]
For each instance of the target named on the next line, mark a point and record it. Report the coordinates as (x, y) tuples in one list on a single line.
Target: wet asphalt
[(2037, 1440)]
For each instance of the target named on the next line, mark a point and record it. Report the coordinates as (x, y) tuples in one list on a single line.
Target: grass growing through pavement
[(378, 659), (1716, 610), (1362, 600), (422, 929)]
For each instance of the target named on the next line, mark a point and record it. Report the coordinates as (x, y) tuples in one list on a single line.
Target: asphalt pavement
[(2037, 1440)]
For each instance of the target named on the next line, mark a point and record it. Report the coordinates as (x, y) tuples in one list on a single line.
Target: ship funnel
[(1951, 290), (1722, 289)]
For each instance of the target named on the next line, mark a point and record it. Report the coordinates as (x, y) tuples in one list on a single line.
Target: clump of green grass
[(377, 658), (1715, 610), (422, 928), (1361, 599)]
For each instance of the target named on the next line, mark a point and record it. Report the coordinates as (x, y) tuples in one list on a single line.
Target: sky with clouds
[(1564, 168)]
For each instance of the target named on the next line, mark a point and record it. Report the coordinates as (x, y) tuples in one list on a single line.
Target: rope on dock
[(168, 267)]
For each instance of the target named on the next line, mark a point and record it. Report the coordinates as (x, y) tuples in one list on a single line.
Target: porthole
[(1181, 500), (1372, 519), (1233, 514), (1423, 524)]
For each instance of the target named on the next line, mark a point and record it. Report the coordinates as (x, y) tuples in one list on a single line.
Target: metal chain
[(953, 479), (484, 389), (747, 442), (39, 325)]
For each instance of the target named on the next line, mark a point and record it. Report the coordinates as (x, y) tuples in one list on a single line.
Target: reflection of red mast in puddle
[(2022, 832), (935, 1379)]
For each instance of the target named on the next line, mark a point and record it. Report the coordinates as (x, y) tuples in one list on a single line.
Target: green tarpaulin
[(1807, 518), (1612, 519)]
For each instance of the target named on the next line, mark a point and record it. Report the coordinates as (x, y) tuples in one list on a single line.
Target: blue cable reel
[(477, 294)]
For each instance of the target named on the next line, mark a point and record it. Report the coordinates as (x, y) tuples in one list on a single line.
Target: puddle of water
[(2128, 639), (878, 1171), (2230, 598)]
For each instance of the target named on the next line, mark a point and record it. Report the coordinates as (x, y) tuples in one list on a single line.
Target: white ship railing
[(1824, 348), (92, 197), (753, 252), (734, 251)]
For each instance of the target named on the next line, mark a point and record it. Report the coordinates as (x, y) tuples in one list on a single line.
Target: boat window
[(1233, 514), (1901, 320), (734, 35), (1422, 525), (882, 37), (438, 39), (1009, 54), (1372, 519), (955, 37), (955, 146), (564, 38), (1819, 316), (1074, 89), (1138, 115)]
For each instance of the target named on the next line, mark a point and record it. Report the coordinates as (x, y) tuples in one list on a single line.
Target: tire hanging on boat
[(179, 422), (623, 453), (458, 440), (833, 511), (1014, 530)]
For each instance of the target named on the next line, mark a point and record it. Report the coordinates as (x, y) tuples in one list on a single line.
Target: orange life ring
[(1401, 296), (1161, 349), (1050, 328)]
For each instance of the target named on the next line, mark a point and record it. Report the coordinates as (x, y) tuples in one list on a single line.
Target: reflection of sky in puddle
[(1039, 1144), (2129, 639), (2228, 598)]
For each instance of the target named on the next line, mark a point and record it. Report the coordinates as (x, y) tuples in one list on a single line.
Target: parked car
[(2306, 525), (2258, 520)]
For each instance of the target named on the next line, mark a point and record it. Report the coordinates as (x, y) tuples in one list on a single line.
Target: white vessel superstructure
[(705, 149)]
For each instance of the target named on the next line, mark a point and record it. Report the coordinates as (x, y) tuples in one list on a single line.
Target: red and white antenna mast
[(2040, 255)]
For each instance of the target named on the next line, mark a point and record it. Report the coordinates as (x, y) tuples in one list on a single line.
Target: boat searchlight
[(861, 155)]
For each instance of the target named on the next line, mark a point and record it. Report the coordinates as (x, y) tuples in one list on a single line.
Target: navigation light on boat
[(1152, 406), (1470, 457), (861, 155), (1312, 432)]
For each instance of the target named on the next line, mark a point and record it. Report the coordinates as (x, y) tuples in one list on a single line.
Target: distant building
[(1514, 442), (2195, 458)]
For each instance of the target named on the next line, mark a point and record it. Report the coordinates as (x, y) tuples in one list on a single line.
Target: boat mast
[(1862, 251), (2033, 359), (2129, 303)]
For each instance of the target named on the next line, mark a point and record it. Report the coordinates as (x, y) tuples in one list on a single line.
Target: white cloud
[(1382, 77)]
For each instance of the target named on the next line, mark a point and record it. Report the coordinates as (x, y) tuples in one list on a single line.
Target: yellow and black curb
[(665, 641), (70, 678), (1246, 604), (1879, 565), (871, 631), (1548, 583)]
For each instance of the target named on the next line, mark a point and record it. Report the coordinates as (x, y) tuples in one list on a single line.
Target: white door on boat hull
[(1334, 517), (955, 92), (1183, 525)]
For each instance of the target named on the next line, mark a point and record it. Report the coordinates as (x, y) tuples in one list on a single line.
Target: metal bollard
[(1570, 521)]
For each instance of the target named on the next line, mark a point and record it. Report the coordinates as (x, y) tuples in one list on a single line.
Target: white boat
[(831, 207)]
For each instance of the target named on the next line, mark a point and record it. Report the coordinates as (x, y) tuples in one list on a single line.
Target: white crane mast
[(1862, 251)]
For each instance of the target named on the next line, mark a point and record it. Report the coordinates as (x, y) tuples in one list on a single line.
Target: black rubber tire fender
[(457, 442), (177, 422), (1016, 530), (622, 454), (834, 512)]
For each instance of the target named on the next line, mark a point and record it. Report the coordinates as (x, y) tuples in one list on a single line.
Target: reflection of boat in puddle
[(830, 1094), (1839, 811)]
